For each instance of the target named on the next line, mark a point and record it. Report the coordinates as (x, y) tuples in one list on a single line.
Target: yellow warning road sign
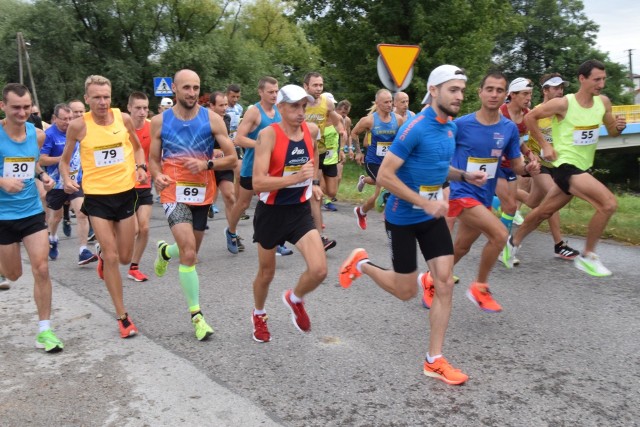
[(399, 60)]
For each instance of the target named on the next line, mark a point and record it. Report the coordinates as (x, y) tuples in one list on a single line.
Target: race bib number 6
[(190, 192), (586, 135), (108, 155), (19, 167), (488, 165)]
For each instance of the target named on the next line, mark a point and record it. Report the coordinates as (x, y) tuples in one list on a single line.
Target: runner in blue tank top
[(414, 170), (21, 217), (383, 125), (256, 118)]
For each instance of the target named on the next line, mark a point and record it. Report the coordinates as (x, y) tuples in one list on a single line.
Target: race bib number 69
[(190, 192)]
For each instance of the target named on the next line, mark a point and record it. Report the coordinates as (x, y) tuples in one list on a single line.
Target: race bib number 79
[(108, 155)]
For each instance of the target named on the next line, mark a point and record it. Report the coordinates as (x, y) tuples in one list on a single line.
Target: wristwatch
[(209, 164), (315, 182), (142, 166)]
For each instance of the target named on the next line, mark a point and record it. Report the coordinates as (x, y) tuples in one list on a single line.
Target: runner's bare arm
[(160, 180), (249, 123), (555, 107), (75, 132)]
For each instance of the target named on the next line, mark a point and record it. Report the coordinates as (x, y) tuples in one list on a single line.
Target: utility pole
[(22, 46)]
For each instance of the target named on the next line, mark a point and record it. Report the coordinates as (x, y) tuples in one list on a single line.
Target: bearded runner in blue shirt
[(414, 169)]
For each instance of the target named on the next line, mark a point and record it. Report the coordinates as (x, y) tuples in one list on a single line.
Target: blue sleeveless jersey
[(26, 202), (383, 133), (247, 160), (191, 138)]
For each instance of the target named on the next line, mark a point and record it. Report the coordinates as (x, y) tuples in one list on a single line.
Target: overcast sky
[(619, 22)]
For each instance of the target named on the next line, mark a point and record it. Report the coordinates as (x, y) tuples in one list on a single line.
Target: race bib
[(488, 165), (190, 192), (586, 135), (292, 170), (382, 148), (330, 154), (74, 176), (19, 167), (109, 155), (430, 192)]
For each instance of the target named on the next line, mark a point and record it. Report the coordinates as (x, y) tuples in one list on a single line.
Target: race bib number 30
[(109, 155), (382, 148), (190, 192), (19, 167), (488, 165), (586, 135), (430, 192)]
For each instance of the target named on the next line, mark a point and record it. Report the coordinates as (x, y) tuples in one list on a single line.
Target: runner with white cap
[(165, 104), (285, 176), (552, 87), (414, 168)]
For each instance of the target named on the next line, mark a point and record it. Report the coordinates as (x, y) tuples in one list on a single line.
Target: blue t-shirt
[(54, 146), (426, 145), (381, 135), (480, 147), (247, 161), (19, 157)]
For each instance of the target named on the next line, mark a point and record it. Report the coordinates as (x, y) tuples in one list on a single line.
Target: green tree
[(553, 36)]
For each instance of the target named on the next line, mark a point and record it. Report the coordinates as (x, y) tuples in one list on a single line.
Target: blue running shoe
[(66, 227), (86, 257), (283, 250), (232, 241), (329, 206), (215, 209), (53, 250)]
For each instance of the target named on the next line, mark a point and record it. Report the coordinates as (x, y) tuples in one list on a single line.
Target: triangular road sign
[(398, 59)]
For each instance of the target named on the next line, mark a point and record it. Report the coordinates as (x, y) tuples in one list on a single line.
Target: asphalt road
[(563, 352)]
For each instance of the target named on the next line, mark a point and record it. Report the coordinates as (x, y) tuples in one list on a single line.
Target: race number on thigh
[(488, 165), (108, 155), (19, 167), (190, 192)]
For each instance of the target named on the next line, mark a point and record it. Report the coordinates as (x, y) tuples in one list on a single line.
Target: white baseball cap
[(166, 102), (292, 93), (440, 75), (520, 84), (329, 97), (555, 81)]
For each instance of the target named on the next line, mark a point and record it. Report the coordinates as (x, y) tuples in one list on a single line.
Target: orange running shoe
[(348, 271), (127, 328), (480, 295), (442, 370), (428, 290)]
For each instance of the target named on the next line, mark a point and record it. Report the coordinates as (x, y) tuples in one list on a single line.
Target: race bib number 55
[(586, 135)]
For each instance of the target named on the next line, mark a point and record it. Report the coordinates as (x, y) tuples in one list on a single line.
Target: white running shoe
[(590, 263)]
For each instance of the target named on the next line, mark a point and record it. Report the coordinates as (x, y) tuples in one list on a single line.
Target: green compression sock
[(190, 286)]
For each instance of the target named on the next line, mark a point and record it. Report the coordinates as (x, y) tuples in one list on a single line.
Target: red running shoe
[(299, 316)]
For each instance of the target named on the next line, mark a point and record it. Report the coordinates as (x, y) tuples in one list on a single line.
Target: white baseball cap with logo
[(166, 102), (555, 81), (519, 85), (329, 97), (443, 74), (291, 94)]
